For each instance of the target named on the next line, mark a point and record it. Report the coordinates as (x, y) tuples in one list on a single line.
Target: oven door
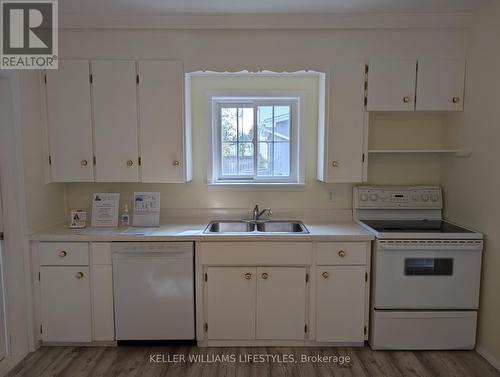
[(427, 274)]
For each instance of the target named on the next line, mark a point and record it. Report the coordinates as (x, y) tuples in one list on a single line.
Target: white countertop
[(193, 231)]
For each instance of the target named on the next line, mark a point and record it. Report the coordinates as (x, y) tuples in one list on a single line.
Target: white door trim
[(17, 277)]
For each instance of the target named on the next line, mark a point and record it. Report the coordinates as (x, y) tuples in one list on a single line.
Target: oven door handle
[(424, 246)]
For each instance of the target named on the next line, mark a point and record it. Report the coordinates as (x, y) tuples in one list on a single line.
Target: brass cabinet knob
[(84, 162), (456, 99), (406, 99), (341, 253), (248, 276), (62, 253), (176, 163), (79, 275), (130, 163), (325, 275), (335, 164), (265, 275)]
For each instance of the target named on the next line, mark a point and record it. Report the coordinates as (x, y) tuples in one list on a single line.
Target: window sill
[(258, 186)]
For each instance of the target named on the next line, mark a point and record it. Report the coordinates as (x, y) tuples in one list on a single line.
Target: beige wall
[(46, 204), (472, 184)]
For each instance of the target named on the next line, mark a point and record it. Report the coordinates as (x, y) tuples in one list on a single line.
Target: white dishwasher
[(153, 284)]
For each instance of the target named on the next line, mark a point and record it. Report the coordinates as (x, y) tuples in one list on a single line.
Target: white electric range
[(425, 271)]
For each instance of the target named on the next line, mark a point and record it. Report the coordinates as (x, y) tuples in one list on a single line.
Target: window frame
[(254, 100)]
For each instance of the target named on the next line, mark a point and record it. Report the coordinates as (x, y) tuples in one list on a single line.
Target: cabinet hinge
[(139, 160), (50, 160), (305, 328), (45, 78), (366, 68), (206, 277), (363, 157), (41, 329), (94, 160), (137, 79), (366, 101), (39, 276), (206, 326), (307, 278), (364, 330), (91, 78), (366, 276)]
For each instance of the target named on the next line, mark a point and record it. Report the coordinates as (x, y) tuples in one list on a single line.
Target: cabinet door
[(391, 85), (342, 143), (115, 121), (102, 303), (65, 304), (281, 303), (69, 118), (340, 303), (162, 139), (231, 302), (440, 85)]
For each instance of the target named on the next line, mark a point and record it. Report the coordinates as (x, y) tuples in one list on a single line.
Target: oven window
[(428, 266)]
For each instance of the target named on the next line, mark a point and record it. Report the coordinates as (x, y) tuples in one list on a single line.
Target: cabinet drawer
[(333, 253), (64, 253)]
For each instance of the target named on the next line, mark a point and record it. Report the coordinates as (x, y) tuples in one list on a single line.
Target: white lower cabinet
[(231, 293), (281, 302), (65, 304), (340, 305), (282, 293), (76, 292), (248, 303)]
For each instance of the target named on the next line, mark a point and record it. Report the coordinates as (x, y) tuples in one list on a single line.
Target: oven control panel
[(397, 197)]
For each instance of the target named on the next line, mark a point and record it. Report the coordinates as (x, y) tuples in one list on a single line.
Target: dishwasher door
[(153, 290)]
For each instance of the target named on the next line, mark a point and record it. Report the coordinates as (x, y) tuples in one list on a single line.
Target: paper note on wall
[(146, 209), (105, 208)]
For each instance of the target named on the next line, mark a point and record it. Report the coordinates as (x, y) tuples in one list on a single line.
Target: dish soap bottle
[(125, 216)]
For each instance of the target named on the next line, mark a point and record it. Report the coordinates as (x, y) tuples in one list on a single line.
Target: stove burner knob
[(425, 197), (364, 197), (435, 198), (373, 197)]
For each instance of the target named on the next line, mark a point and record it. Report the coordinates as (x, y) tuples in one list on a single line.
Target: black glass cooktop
[(414, 226)]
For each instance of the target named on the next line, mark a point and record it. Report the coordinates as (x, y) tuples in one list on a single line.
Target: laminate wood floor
[(136, 361)]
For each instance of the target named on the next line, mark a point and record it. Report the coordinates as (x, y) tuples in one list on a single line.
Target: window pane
[(281, 123), (265, 159), (265, 122), (245, 123), (245, 159), (281, 159), (228, 123), (229, 159)]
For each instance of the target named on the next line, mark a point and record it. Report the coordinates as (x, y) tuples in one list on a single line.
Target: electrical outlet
[(331, 195)]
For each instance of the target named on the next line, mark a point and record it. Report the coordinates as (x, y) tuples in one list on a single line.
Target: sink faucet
[(256, 215)]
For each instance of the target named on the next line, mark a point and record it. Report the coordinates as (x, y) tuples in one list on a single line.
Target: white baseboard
[(489, 357)]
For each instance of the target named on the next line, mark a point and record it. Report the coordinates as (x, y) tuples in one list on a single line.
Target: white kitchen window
[(255, 140)]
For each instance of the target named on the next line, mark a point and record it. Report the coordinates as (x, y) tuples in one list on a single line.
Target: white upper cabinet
[(391, 85), (341, 144), (69, 122), (440, 85), (115, 120), (161, 122)]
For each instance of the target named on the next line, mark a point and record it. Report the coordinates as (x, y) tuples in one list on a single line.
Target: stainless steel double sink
[(256, 227)]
